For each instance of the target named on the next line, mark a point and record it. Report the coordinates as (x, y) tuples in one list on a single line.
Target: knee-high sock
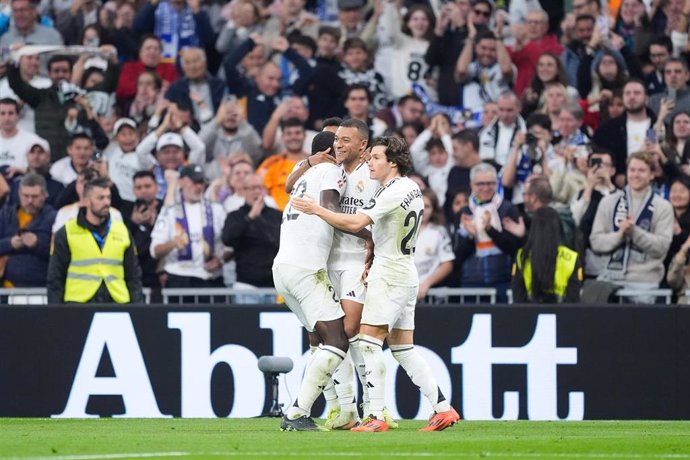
[(419, 372), (343, 381), (358, 361), (325, 361), (312, 351), (372, 352)]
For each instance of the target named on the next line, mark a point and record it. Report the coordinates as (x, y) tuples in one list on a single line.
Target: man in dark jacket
[(626, 134), (197, 88), (254, 232), (264, 90), (25, 232), (94, 259), (485, 248), (53, 103)]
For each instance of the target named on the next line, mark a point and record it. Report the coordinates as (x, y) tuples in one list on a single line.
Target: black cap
[(322, 141), (194, 172)]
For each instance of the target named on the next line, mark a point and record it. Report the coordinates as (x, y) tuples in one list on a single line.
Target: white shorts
[(388, 304), (308, 294), (348, 284)]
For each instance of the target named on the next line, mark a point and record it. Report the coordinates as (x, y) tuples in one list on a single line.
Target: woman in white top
[(434, 254), (403, 41)]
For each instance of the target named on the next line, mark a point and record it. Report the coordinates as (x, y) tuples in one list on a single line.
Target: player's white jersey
[(396, 212), (305, 241), (433, 248), (349, 251)]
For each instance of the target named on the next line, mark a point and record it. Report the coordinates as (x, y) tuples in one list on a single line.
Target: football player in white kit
[(395, 213), (300, 276), (345, 267)]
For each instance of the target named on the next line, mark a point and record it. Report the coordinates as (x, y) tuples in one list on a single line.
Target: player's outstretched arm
[(351, 223)]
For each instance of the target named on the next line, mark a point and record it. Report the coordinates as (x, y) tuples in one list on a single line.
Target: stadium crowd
[(197, 111)]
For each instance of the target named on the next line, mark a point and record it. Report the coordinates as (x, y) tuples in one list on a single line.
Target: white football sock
[(312, 351), (358, 361), (343, 381), (372, 352), (420, 374), (325, 361)]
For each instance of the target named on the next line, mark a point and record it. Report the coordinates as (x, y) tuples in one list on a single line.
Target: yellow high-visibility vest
[(565, 266), (90, 266)]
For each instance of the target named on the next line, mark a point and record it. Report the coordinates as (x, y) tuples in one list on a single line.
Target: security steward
[(93, 259), (567, 280)]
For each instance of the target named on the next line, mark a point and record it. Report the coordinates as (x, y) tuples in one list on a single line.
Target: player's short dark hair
[(323, 141), (99, 182), (291, 123), (78, 136), (396, 151), (10, 101), (144, 173), (362, 128), (467, 136)]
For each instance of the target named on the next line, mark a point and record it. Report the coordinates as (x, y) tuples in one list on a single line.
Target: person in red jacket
[(149, 58), (531, 41)]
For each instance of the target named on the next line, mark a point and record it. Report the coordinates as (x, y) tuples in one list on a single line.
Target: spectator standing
[(430, 154), (38, 161), (140, 221), (634, 228), (150, 58), (187, 235), (14, 141), (254, 232), (29, 70), (169, 140), (531, 41), (93, 259), (485, 248), (25, 233), (80, 152), (25, 29), (122, 159), (275, 169), (484, 68), (626, 134), (227, 133), (178, 23), (465, 157), (496, 138), (196, 88), (261, 92)]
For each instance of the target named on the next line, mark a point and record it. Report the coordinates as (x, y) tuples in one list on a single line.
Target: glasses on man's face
[(484, 13), (486, 184)]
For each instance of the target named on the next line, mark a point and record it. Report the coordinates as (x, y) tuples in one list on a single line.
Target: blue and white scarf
[(618, 263), (176, 29)]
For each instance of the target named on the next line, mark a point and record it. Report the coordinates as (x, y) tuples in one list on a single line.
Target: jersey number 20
[(412, 234)]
